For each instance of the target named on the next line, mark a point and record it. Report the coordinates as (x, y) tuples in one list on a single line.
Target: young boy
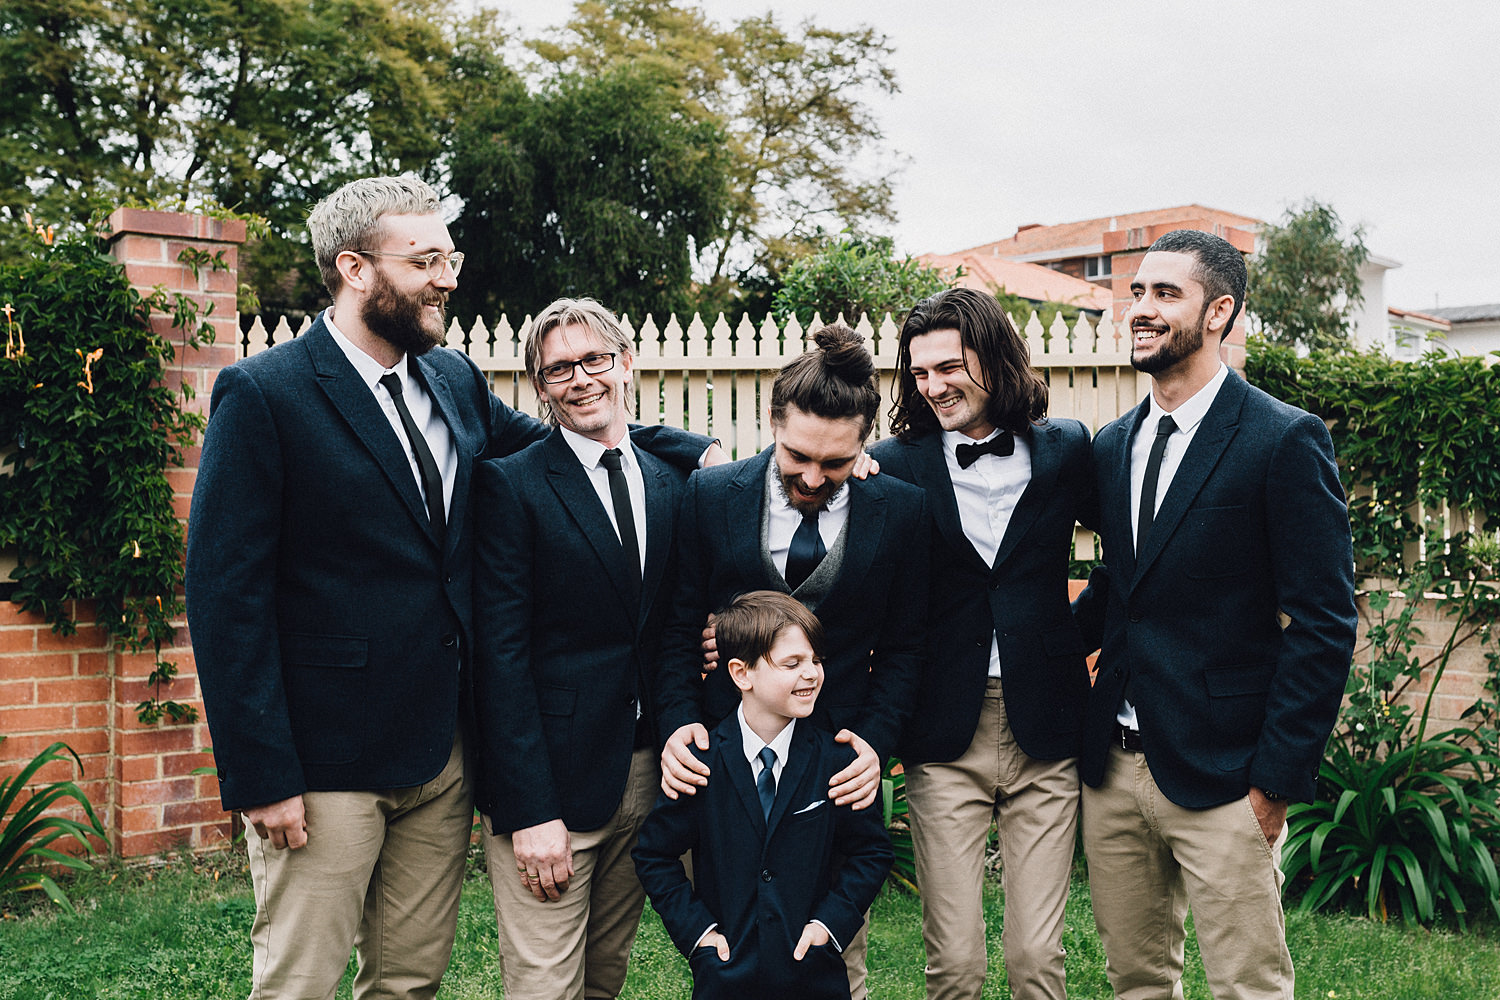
[(782, 875)]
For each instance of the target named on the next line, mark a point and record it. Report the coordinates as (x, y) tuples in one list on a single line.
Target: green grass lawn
[(181, 931)]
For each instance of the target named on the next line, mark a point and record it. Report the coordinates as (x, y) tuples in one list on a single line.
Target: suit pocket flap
[(556, 700), (1247, 678), (1065, 640), (304, 649)]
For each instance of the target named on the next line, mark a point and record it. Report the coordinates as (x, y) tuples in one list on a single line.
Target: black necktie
[(1164, 429), (805, 552), (765, 782), (432, 482), (619, 495), (1001, 444)]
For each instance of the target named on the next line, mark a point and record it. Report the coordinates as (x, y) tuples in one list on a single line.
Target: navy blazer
[(760, 881), (563, 649), (1253, 526), (1022, 599), (328, 624), (872, 615)]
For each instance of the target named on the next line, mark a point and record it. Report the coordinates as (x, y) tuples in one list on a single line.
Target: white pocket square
[(809, 807)]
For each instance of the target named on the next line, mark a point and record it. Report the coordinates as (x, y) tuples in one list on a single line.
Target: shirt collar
[(368, 369), (1191, 413), (781, 743), (590, 451)]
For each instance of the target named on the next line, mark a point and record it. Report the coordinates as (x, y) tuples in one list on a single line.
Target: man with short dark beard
[(329, 601), (1228, 625)]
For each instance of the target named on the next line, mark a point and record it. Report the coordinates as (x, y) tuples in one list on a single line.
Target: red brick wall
[(76, 688)]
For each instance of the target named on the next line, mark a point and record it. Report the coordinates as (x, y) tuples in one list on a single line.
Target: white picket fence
[(716, 379)]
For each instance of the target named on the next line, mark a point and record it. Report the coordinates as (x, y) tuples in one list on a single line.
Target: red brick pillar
[(159, 803)]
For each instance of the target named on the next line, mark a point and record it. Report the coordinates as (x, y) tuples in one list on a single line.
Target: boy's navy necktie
[(765, 782)]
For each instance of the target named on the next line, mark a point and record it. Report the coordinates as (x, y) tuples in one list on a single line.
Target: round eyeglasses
[(432, 263), (592, 364)]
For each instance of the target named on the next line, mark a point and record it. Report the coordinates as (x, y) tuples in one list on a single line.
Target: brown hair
[(834, 379), (748, 628), (1018, 395)]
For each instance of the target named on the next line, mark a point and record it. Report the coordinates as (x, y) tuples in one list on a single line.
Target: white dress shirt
[(423, 413), (590, 454), (987, 493), (1188, 417)]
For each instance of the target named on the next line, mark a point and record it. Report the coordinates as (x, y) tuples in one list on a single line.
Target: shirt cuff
[(707, 931), (831, 938), (701, 459)]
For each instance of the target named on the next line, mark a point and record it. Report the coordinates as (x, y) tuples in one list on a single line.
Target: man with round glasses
[(329, 590), (566, 742)]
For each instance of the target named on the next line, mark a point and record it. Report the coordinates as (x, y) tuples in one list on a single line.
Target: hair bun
[(844, 353)]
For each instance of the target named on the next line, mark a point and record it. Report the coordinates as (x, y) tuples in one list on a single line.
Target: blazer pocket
[(325, 684), (1236, 710), (1216, 539)]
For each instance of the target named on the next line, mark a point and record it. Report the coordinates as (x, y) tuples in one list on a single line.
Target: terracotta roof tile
[(1030, 281), (1085, 237)]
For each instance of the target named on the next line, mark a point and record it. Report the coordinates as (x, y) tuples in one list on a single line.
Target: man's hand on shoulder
[(865, 466), (681, 772), (856, 785), (283, 823), (715, 455)]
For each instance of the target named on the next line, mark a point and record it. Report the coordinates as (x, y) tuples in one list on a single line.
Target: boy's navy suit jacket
[(761, 881)]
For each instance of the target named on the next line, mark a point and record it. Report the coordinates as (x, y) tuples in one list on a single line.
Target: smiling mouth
[(586, 400), (804, 692), (1145, 334)]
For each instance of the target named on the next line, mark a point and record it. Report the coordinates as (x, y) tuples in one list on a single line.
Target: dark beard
[(397, 318), (1179, 345), (826, 493)]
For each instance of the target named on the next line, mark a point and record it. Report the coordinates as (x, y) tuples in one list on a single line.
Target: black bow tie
[(1001, 444)]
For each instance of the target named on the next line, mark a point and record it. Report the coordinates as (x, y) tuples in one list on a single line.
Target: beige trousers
[(1150, 860), (1034, 805), (578, 946), (381, 873)]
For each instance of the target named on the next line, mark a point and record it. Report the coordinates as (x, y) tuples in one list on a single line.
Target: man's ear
[(1218, 314), (739, 672), (353, 268)]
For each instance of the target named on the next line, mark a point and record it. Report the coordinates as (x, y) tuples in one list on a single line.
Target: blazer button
[(450, 640), (765, 875), (1135, 616)]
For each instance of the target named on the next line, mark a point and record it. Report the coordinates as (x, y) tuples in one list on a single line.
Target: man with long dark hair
[(994, 732)]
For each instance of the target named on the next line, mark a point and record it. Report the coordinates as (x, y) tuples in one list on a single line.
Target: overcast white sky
[(1012, 113)]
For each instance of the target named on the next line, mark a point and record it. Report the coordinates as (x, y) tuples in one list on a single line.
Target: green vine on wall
[(88, 428)]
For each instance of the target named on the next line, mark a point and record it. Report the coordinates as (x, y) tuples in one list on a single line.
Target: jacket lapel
[(442, 398), (867, 513), (1212, 437), (660, 513), (356, 404), (732, 757), (742, 510), (569, 481), (930, 465), (1118, 532), (1045, 466), (793, 771)]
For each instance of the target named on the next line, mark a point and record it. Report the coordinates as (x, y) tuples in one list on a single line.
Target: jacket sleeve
[(234, 532), (1312, 565), (516, 784), (900, 642), (673, 445)]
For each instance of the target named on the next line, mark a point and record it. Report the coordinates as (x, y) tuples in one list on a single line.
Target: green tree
[(594, 185), (1304, 284), (853, 276), (258, 105), (793, 105)]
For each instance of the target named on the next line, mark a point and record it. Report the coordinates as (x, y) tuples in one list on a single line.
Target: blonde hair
[(349, 218)]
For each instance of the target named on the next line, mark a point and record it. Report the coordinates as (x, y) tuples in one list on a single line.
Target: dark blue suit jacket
[(563, 649), (1022, 598), (1254, 525), (763, 882), (872, 616), (328, 625)]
